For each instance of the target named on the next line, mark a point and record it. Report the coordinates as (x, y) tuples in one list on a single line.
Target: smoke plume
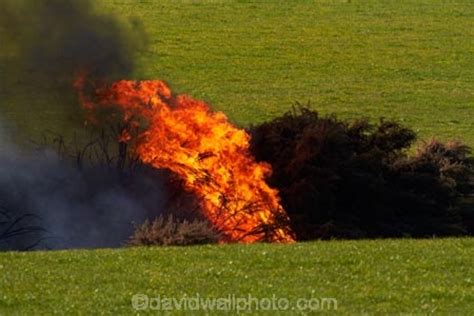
[(44, 43), (71, 207)]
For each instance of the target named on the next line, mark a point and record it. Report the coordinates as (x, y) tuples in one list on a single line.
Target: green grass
[(380, 276), (407, 60)]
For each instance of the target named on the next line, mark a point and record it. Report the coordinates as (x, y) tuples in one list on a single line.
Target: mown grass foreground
[(379, 276)]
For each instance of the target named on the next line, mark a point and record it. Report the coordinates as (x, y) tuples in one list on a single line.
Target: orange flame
[(210, 154)]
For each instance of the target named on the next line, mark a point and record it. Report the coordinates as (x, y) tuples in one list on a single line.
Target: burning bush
[(210, 155), (169, 231), (355, 180)]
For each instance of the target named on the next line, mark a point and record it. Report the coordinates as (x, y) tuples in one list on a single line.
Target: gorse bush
[(439, 179), (356, 179), (170, 231)]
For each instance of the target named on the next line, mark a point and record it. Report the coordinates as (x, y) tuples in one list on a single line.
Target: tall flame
[(210, 154)]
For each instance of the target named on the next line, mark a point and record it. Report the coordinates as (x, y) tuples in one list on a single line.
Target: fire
[(207, 152)]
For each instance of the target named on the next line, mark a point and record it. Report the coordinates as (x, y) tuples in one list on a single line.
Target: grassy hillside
[(381, 276), (408, 60)]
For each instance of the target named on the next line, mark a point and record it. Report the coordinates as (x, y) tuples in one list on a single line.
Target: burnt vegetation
[(340, 179), (19, 230)]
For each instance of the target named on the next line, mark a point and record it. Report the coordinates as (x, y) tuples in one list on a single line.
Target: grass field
[(376, 277), (408, 60)]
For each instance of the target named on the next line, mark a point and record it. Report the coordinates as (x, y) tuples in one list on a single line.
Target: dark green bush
[(356, 180)]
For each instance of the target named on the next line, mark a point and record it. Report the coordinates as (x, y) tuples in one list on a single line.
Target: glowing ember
[(210, 155)]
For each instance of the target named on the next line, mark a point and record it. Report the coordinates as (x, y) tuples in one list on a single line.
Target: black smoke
[(55, 38), (45, 43)]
